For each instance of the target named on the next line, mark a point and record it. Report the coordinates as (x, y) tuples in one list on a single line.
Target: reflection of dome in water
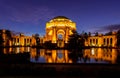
[(60, 21)]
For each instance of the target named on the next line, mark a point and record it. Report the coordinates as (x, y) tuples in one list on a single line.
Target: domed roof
[(60, 17), (60, 21)]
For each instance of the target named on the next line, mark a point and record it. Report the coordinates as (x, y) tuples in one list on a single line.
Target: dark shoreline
[(60, 70)]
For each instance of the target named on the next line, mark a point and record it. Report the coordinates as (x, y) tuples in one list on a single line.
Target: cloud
[(25, 12), (112, 27)]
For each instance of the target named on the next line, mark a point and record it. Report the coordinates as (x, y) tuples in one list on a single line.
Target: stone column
[(54, 35), (66, 35), (21, 41)]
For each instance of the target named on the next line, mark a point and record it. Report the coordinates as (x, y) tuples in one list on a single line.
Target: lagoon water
[(92, 55)]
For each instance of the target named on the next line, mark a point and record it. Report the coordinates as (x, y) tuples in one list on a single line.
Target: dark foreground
[(19, 66), (58, 70)]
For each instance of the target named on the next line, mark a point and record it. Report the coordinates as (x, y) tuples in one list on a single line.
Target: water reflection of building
[(109, 55), (16, 50), (51, 56), (57, 31)]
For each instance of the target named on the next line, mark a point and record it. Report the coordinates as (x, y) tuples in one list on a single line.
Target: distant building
[(58, 30), (102, 40), (18, 40)]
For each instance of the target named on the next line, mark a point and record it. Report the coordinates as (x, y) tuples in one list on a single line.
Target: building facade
[(18, 40), (102, 40), (58, 30)]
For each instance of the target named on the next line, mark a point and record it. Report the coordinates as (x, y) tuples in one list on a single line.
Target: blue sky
[(30, 16)]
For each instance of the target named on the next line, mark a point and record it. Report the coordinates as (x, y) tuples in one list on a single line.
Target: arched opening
[(104, 41), (60, 38), (107, 41), (111, 40)]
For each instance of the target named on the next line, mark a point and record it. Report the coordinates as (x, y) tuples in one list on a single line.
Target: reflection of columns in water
[(22, 49), (66, 56), (48, 56), (67, 60), (17, 49), (54, 52), (33, 52), (42, 53), (4, 50), (104, 54), (10, 50), (28, 49), (99, 53), (114, 55), (87, 52), (58, 57)]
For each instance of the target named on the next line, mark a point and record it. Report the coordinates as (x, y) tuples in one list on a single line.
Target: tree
[(49, 45), (85, 36), (96, 33), (74, 41), (37, 39), (109, 33), (1, 40), (9, 34), (89, 33)]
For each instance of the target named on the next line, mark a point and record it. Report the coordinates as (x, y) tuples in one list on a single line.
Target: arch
[(104, 41), (111, 40), (107, 41), (60, 36), (60, 31)]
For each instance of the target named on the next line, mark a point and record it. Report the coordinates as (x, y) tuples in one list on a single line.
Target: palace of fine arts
[(59, 38), (62, 52), (59, 31)]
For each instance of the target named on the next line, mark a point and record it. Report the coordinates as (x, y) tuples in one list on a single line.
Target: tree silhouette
[(1, 40), (74, 41), (96, 33), (85, 36), (37, 39), (49, 45), (109, 33)]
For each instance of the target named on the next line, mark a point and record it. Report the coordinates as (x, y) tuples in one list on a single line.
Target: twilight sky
[(30, 16)]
